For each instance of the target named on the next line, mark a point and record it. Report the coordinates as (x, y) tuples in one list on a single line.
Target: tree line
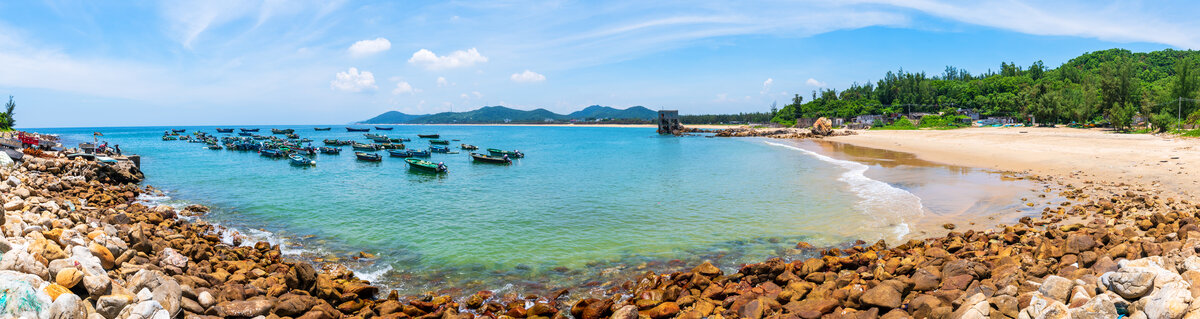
[(1111, 87)]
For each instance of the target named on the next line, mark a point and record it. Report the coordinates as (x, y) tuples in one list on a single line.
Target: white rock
[(1169, 301), (206, 299), (1042, 307), (68, 306), (21, 261), (166, 291)]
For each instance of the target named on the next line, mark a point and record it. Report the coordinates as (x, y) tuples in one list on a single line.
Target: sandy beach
[(1085, 154)]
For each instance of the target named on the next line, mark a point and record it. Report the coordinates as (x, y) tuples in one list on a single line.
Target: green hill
[(392, 117), (501, 114)]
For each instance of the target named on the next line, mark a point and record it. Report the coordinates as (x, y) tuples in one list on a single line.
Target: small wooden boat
[(384, 128), (416, 153), (249, 130), (301, 160), (468, 147), (330, 150), (224, 130), (364, 147), (332, 142), (428, 135), (179, 130), (271, 153), (169, 138), (292, 136), (512, 154), (439, 149), (379, 138), (245, 134), (440, 142), (399, 153), (351, 129), (390, 146), (322, 128), (283, 131), (368, 157), (491, 158), (418, 164), (214, 147)]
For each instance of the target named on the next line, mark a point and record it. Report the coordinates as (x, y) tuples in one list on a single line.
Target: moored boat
[(424, 165), (441, 142), (224, 130), (416, 153), (428, 135), (179, 130), (468, 147), (368, 157), (332, 142), (351, 129), (301, 160), (364, 147), (322, 128), (214, 147), (491, 158), (439, 149), (169, 138), (283, 131), (292, 136), (512, 154), (383, 128), (399, 153), (249, 130), (245, 134), (271, 153), (330, 150)]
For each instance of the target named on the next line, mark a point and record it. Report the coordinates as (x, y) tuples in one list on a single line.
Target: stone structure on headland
[(76, 244)]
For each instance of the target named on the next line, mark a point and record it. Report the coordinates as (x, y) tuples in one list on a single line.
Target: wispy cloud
[(527, 77), (814, 82), (369, 47), (767, 85), (404, 87)]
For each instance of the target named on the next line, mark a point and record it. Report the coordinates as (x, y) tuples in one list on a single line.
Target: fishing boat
[(245, 134), (351, 129), (491, 158), (399, 153), (332, 142), (428, 135), (249, 130), (214, 147), (424, 165), (283, 131), (169, 138), (379, 138), (364, 147), (271, 153), (468, 147), (390, 146), (439, 149), (179, 130), (292, 136), (322, 128), (301, 160), (368, 157), (440, 142), (224, 130), (330, 150), (513, 153), (416, 153), (384, 128)]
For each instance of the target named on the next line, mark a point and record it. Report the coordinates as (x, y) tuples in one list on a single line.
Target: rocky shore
[(76, 245)]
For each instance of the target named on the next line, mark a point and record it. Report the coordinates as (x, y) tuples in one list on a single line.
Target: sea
[(586, 206)]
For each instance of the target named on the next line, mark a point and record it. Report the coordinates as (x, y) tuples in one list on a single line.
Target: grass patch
[(900, 124), (1191, 133)]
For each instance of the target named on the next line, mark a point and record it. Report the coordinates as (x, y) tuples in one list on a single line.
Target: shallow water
[(586, 204)]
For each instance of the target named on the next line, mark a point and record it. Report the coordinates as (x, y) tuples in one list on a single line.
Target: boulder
[(822, 126), (23, 288), (20, 260), (626, 312), (107, 260), (1057, 288), (110, 306), (170, 257), (166, 291), (1103, 306), (974, 307), (1041, 307), (1169, 301), (68, 306), (884, 296), (244, 308), (68, 277), (1129, 283)]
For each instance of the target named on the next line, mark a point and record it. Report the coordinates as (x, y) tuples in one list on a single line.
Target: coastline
[(698, 126), (1051, 261)]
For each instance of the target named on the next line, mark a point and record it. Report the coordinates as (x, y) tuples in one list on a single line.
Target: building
[(668, 122), (868, 119)]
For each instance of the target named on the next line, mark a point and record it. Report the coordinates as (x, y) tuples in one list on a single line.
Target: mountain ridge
[(498, 114)]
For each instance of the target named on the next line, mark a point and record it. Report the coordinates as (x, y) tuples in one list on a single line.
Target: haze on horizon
[(78, 63)]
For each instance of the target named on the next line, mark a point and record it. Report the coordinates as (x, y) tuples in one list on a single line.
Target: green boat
[(420, 164), (442, 142), (513, 153)]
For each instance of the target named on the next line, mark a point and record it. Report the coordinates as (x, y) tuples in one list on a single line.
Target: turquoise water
[(585, 204)]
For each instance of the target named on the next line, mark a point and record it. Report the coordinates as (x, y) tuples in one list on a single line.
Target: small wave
[(879, 199), (372, 275)]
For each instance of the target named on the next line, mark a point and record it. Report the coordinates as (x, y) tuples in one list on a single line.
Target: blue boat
[(416, 153), (271, 153), (439, 149), (399, 153), (245, 133), (301, 160)]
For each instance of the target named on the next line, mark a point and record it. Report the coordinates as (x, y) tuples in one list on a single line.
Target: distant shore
[(699, 126)]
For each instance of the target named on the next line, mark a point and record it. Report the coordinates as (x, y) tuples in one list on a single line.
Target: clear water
[(585, 204)]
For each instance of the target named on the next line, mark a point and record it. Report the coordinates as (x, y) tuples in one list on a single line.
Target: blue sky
[(109, 63)]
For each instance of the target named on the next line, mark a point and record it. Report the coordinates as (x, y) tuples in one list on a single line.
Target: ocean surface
[(586, 206)]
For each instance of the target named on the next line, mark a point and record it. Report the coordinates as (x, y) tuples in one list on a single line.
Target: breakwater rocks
[(774, 132)]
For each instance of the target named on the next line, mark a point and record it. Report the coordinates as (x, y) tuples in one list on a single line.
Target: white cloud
[(767, 85), (404, 87), (456, 59), (477, 94), (353, 81), (528, 77), (441, 82), (369, 47), (814, 82)]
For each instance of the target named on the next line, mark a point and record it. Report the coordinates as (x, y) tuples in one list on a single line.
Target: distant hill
[(604, 112), (501, 114), (392, 117)]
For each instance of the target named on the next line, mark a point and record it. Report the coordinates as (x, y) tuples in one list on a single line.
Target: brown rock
[(54, 290), (68, 277), (707, 269), (663, 310), (244, 308), (811, 308), (106, 257), (884, 296)]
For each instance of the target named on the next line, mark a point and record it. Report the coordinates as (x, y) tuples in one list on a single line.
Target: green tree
[(7, 121)]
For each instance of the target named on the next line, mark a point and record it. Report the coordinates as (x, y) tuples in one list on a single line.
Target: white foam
[(878, 199), (372, 275)]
